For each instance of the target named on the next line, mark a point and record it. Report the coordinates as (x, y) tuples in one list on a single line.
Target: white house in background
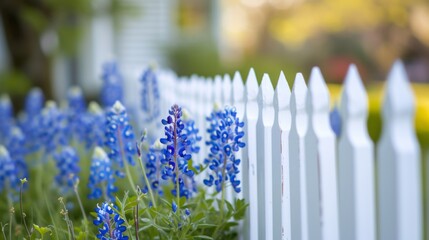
[(139, 40)]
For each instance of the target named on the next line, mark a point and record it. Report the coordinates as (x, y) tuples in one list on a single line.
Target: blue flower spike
[(92, 126), (6, 117), (67, 161), (15, 144), (8, 174), (34, 103), (101, 182), (226, 133), (111, 224), (150, 94), (177, 153), (112, 89), (120, 138)]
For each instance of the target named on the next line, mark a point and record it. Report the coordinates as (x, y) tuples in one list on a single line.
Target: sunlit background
[(57, 44)]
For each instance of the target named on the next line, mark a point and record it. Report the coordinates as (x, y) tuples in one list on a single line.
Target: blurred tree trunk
[(23, 42)]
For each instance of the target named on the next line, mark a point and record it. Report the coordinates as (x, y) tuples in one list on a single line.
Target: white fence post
[(398, 156), (217, 92), (281, 131), (238, 102), (320, 160), (227, 90), (252, 119), (268, 114), (298, 199), (356, 163)]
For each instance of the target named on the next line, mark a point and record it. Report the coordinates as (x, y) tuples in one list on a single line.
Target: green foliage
[(49, 215)]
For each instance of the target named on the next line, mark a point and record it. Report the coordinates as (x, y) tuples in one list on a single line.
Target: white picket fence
[(300, 180)]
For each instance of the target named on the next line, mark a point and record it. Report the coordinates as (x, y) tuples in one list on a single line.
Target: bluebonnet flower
[(335, 120), (34, 103), (67, 161), (225, 138), (154, 166), (6, 117), (101, 180), (150, 95), (92, 126), (177, 154), (112, 227), (28, 122), (120, 137), (112, 89), (8, 174), (76, 108), (15, 145), (76, 101), (51, 128)]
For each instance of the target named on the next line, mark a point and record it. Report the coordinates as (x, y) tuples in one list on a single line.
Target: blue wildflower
[(52, 128), (29, 120), (92, 126), (225, 138), (150, 95), (76, 107), (101, 180), (112, 89), (34, 103), (6, 117), (111, 223), (120, 137), (67, 161), (15, 144), (177, 154), (8, 174), (154, 166)]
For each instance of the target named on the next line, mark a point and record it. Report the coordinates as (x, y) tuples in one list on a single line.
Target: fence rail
[(301, 181)]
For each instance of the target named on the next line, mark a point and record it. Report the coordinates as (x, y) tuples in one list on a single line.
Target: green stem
[(175, 161), (22, 212), (223, 188), (10, 225), (127, 169), (147, 182), (81, 209), (136, 221)]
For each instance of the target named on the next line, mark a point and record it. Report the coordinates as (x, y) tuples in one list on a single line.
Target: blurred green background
[(56, 44)]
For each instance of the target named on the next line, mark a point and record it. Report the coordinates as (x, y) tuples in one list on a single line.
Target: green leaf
[(41, 230)]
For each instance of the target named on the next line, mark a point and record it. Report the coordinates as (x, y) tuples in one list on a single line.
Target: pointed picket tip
[(354, 100), (283, 92), (318, 93), (299, 92), (267, 90), (237, 87), (252, 86), (226, 78), (399, 97)]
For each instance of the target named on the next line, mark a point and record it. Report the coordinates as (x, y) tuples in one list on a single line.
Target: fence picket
[(299, 227), (356, 163), (268, 115), (217, 92), (252, 119), (281, 131), (227, 90), (320, 160), (398, 155), (238, 102)]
